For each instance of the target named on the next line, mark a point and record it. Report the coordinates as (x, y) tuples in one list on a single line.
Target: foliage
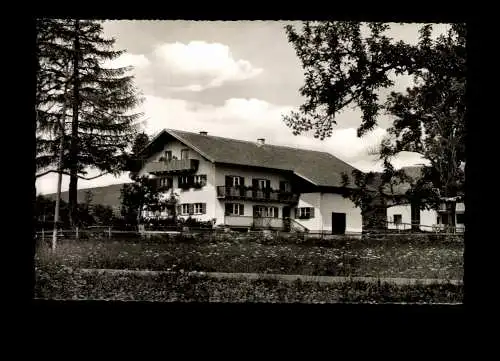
[(347, 64), (144, 193), (103, 215), (76, 85), (55, 281)]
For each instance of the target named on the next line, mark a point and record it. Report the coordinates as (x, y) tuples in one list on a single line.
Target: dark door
[(338, 223), (286, 212), (286, 219)]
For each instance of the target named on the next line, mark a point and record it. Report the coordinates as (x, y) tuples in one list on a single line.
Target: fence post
[(109, 232)]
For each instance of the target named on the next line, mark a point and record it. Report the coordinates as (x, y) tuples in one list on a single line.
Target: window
[(285, 186), (304, 212), (185, 208), (200, 180), (199, 208), (263, 211), (460, 218), (185, 181), (261, 183), (398, 219), (184, 153), (236, 181), (234, 209), (165, 182), (168, 155)]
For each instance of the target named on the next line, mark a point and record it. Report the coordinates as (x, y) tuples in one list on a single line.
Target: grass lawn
[(54, 281), (410, 260)]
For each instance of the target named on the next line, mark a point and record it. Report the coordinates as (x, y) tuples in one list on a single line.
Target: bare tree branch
[(67, 173)]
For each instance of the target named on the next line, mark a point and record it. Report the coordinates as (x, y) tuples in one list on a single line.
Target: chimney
[(203, 133), (261, 141)]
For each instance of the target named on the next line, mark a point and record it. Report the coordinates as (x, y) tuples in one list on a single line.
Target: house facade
[(249, 185), (399, 217)]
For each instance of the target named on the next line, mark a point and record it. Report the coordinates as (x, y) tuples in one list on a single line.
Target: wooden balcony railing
[(256, 222), (246, 193), (172, 166)]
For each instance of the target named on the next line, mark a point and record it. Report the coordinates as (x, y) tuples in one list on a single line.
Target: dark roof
[(320, 168), (106, 196)]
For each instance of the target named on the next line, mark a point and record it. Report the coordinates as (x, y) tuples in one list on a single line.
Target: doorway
[(286, 218), (338, 223)]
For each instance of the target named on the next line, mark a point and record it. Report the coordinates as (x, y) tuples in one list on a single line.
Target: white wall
[(312, 200), (207, 194), (221, 171), (405, 211), (332, 202), (428, 218)]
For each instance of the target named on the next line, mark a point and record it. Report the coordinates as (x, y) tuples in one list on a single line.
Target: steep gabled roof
[(319, 168)]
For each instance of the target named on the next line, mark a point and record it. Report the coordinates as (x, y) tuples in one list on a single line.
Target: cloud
[(245, 119), (136, 60), (199, 65), (249, 119)]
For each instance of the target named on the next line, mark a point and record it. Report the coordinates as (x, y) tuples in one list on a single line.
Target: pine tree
[(101, 101)]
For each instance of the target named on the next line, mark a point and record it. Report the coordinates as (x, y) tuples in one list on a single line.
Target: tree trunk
[(58, 194), (415, 216), (453, 211), (73, 181)]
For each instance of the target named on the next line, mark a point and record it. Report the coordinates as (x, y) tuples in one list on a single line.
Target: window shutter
[(255, 214), (191, 208), (229, 181), (282, 186), (296, 213), (312, 212), (242, 209), (255, 183), (170, 182), (275, 212), (228, 207), (242, 181), (179, 209), (203, 208), (268, 184), (204, 179)]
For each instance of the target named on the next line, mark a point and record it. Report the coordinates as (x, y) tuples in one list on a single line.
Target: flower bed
[(242, 255), (59, 282)]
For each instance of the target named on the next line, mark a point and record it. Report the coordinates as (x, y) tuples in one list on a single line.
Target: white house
[(400, 217), (251, 184)]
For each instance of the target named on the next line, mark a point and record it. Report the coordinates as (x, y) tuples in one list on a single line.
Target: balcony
[(251, 194), (258, 223), (172, 166)]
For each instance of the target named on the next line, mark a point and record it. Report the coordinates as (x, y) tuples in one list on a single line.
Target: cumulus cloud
[(202, 65), (136, 60), (249, 119), (246, 119)]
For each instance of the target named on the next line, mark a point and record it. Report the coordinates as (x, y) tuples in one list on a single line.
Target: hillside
[(107, 195)]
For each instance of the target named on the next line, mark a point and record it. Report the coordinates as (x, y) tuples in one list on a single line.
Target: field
[(60, 272)]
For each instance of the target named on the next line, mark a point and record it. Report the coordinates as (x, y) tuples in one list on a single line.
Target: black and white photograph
[(310, 162)]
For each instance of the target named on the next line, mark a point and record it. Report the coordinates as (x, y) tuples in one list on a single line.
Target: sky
[(233, 79)]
